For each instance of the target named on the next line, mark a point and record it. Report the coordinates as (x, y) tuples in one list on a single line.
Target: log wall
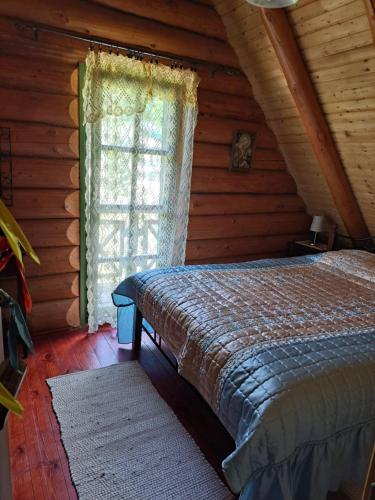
[(232, 216)]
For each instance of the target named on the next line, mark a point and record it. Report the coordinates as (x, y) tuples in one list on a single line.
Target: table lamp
[(318, 225)]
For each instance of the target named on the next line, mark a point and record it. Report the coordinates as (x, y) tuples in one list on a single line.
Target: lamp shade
[(318, 224), (272, 4)]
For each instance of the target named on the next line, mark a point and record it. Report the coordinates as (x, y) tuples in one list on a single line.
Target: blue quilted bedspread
[(284, 352)]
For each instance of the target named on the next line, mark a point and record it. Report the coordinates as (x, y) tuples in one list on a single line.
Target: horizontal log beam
[(228, 106), (267, 164), (239, 258), (58, 260), (46, 288), (45, 173), (17, 40), (101, 22), (221, 131), (219, 156), (45, 204), (226, 204), (209, 180), (291, 61), (51, 233), (267, 155), (180, 14), (205, 2), (31, 139), (232, 247), (222, 81), (202, 227), (54, 287), (65, 315), (54, 109), (24, 73)]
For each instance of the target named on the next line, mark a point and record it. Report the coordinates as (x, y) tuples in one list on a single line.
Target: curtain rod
[(132, 50)]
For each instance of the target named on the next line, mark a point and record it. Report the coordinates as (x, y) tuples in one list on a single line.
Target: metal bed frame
[(155, 338)]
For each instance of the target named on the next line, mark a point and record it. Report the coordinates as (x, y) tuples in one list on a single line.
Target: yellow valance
[(115, 85)]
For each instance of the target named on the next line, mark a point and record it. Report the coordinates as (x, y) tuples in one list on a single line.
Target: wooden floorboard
[(40, 469)]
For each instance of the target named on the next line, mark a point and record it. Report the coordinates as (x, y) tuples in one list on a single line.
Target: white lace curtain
[(140, 119)]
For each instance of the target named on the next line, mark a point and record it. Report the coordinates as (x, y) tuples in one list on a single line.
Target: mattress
[(284, 353)]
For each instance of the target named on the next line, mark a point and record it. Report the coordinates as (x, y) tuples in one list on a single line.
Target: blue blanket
[(284, 353)]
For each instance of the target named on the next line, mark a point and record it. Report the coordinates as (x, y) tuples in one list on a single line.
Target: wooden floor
[(39, 465)]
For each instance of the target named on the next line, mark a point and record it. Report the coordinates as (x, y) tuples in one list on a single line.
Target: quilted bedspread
[(284, 353)]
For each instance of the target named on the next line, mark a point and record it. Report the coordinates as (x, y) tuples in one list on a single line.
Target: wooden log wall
[(232, 216), (337, 46)]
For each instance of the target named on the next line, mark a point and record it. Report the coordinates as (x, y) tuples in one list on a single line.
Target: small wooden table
[(306, 247)]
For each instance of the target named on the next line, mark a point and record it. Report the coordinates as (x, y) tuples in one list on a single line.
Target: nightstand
[(306, 247)]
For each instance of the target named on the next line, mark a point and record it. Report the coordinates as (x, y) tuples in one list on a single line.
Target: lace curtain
[(140, 119)]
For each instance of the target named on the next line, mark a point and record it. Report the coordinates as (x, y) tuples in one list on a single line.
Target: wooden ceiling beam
[(370, 7), (289, 55)]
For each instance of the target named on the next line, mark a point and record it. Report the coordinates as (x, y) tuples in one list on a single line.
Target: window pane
[(153, 126), (117, 131), (113, 235), (107, 272), (148, 180), (115, 177), (146, 234)]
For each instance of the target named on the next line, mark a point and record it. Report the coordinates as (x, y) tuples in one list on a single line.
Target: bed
[(283, 351)]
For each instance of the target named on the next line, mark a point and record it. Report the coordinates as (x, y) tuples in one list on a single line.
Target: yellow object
[(7, 400), (15, 235), (116, 85)]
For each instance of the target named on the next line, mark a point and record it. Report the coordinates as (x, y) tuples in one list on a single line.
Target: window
[(139, 122)]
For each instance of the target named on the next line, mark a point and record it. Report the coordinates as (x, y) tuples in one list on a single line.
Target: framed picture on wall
[(243, 147)]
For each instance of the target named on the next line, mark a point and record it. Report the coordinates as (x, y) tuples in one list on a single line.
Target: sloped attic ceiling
[(335, 39)]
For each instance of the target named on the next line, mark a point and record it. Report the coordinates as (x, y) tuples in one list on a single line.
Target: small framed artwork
[(243, 147)]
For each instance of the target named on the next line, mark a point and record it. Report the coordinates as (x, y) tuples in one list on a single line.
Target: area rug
[(124, 442)]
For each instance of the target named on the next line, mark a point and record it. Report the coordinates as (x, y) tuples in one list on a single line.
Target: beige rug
[(124, 442)]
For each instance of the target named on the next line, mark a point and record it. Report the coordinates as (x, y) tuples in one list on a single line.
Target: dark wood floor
[(39, 465)]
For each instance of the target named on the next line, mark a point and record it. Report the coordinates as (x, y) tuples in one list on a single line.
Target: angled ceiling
[(335, 39)]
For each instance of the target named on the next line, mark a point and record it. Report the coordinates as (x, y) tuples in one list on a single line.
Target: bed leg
[(137, 335)]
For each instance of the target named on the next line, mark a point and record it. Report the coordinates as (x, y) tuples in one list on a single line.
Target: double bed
[(283, 351)]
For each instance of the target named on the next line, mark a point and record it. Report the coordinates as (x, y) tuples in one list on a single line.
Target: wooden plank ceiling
[(336, 42)]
